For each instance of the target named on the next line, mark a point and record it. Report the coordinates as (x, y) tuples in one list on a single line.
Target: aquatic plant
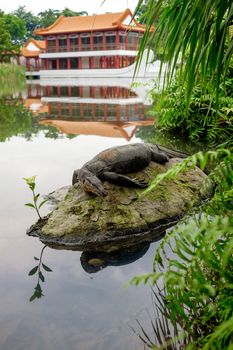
[(195, 262), (38, 292), (35, 205)]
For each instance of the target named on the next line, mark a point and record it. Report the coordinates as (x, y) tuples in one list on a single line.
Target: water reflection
[(111, 254), (79, 310), (110, 111), (93, 262), (39, 271)]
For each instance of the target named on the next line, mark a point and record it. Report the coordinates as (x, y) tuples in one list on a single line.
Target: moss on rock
[(123, 215)]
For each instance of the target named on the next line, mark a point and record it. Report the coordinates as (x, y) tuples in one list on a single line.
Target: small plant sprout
[(35, 204)]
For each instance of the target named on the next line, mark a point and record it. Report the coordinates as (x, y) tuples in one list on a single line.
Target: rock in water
[(123, 218)]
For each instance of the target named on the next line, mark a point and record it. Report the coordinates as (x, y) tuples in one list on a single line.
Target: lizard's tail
[(171, 153)]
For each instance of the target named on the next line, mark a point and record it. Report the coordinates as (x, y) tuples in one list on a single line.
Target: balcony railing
[(92, 47)]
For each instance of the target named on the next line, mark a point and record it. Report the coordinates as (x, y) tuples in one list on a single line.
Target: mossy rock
[(123, 217)]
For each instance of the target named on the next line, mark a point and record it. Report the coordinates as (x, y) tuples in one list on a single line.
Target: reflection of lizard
[(111, 164), (92, 261)]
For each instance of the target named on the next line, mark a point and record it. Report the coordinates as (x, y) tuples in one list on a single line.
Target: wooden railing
[(92, 47)]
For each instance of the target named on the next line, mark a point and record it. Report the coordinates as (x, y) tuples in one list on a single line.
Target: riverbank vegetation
[(12, 79), (196, 44), (194, 262)]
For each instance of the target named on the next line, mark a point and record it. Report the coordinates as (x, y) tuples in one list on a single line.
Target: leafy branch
[(35, 205), (199, 158)]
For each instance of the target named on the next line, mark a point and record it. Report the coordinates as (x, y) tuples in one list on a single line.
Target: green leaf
[(33, 271), (41, 276), (33, 297), (42, 203), (36, 197), (46, 268), (36, 258), (30, 205)]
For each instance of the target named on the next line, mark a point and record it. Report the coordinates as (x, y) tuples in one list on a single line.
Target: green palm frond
[(193, 34)]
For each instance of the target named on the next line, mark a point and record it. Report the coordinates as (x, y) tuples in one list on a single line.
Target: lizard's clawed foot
[(140, 182)]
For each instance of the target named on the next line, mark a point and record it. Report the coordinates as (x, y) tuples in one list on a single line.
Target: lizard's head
[(94, 185), (89, 182)]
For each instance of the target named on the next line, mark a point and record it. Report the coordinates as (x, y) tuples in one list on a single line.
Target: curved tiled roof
[(107, 21), (40, 44), (29, 53)]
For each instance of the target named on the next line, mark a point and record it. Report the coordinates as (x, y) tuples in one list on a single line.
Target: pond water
[(49, 131)]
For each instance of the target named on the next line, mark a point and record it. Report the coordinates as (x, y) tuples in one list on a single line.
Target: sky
[(91, 6)]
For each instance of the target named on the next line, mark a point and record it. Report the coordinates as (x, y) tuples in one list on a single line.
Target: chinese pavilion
[(29, 55), (96, 45)]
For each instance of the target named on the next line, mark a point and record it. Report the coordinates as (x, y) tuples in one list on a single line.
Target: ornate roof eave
[(40, 31), (117, 24)]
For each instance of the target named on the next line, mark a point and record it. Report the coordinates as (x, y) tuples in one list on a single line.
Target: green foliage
[(70, 13), (12, 79), (38, 292), (5, 40), (15, 120), (204, 119), (194, 34), (16, 28), (195, 260), (31, 21), (35, 204), (48, 17)]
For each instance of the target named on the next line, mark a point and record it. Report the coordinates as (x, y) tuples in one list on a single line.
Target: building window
[(132, 39), (53, 91), (87, 111), (85, 41), (53, 64), (86, 92), (73, 42), (110, 40), (53, 108), (74, 63), (64, 91), (99, 112), (76, 109), (111, 112), (62, 43), (75, 91), (85, 62), (51, 44), (98, 41), (65, 109), (97, 62), (122, 40), (63, 63)]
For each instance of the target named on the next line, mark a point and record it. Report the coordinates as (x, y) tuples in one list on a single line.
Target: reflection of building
[(92, 46), (93, 102), (36, 106), (111, 111), (124, 130)]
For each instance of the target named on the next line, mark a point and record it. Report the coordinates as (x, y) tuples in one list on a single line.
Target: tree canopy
[(18, 26)]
